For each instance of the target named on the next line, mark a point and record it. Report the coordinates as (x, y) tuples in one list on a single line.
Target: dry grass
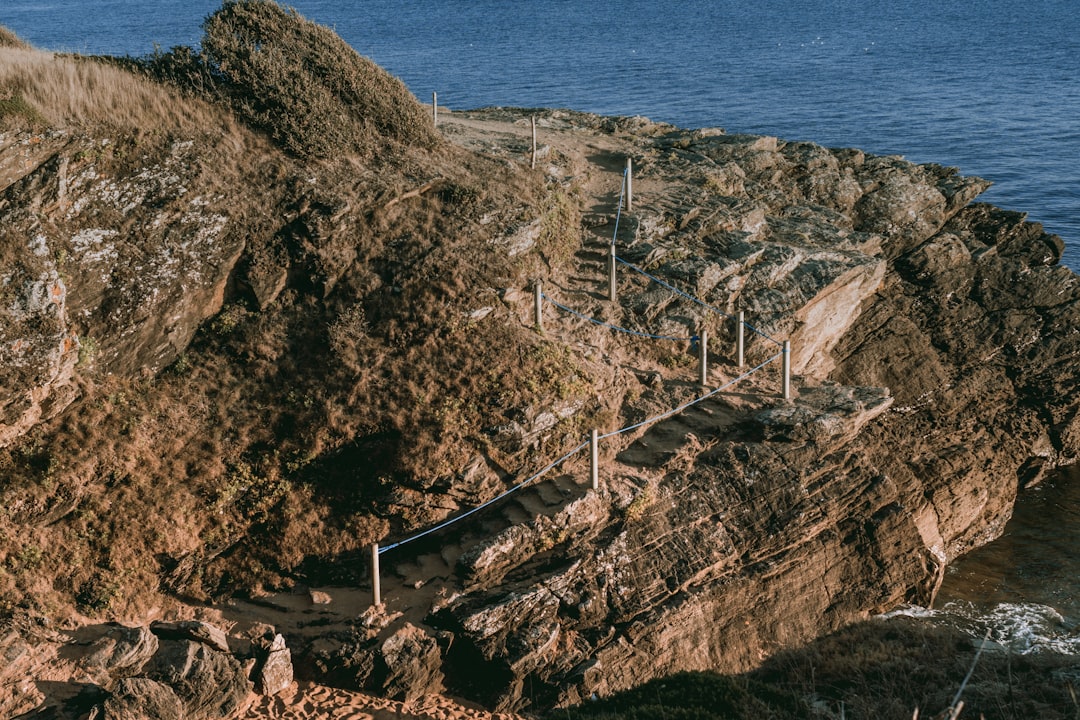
[(284, 435), (10, 39), (72, 92), (276, 444)]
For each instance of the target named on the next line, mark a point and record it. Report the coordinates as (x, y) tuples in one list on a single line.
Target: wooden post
[(740, 341), (534, 142), (629, 185), (376, 587), (435, 109), (594, 459), (704, 365), (787, 370), (539, 307), (612, 291)]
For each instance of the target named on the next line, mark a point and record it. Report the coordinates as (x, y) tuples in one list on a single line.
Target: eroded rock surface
[(107, 263), (930, 338), (932, 346)]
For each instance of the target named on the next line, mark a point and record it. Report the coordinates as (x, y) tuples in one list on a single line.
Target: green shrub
[(97, 594), (16, 108), (304, 85)]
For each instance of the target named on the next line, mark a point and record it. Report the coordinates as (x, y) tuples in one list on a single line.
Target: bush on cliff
[(306, 86), (10, 39)]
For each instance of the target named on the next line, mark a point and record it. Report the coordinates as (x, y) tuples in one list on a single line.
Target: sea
[(991, 87)]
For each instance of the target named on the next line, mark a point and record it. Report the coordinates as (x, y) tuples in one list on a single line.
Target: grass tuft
[(66, 92)]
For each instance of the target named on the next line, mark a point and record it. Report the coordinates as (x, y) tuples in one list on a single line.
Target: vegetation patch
[(303, 84), (10, 39), (692, 696), (884, 669), (14, 109)]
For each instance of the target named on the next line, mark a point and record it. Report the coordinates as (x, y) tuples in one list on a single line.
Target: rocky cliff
[(351, 357), (929, 336)]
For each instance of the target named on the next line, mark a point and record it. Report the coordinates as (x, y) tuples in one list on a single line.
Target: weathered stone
[(77, 289), (194, 630), (826, 415), (413, 664), (943, 263), (122, 650), (273, 668), (209, 683), (141, 699)]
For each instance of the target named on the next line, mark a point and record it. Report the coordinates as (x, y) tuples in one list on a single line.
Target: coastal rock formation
[(366, 364), (138, 698), (928, 335), (106, 264)]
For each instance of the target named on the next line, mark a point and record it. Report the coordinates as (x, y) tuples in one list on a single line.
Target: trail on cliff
[(231, 364)]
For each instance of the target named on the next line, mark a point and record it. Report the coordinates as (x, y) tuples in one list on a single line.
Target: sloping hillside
[(240, 343)]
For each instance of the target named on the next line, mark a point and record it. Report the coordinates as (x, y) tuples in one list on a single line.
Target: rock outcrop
[(929, 335), (932, 343), (183, 670), (139, 698), (107, 264)]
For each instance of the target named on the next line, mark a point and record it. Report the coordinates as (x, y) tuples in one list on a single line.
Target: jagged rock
[(826, 415), (194, 630), (122, 650), (340, 658), (209, 683), (273, 668), (942, 263), (141, 698), (413, 663), (15, 657), (77, 289), (490, 560), (908, 205)]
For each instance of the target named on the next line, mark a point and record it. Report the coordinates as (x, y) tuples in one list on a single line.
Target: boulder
[(193, 630), (413, 664), (210, 684), (143, 699), (122, 651), (111, 269), (273, 666)]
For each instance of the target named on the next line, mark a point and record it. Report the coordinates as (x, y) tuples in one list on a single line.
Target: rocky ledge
[(932, 345), (931, 339)]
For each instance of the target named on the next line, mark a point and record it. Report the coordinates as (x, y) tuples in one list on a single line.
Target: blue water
[(989, 86)]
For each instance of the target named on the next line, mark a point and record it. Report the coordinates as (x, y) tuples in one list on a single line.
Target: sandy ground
[(308, 701)]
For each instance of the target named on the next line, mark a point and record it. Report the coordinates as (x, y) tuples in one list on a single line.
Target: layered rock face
[(931, 340), (110, 263), (931, 344)]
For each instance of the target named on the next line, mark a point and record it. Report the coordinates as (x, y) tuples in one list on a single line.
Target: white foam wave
[(1022, 628)]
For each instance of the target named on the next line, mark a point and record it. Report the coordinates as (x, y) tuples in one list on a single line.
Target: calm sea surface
[(990, 86)]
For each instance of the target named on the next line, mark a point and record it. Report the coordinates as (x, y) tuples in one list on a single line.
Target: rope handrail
[(601, 323), (478, 508), (691, 403), (555, 463), (629, 428)]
